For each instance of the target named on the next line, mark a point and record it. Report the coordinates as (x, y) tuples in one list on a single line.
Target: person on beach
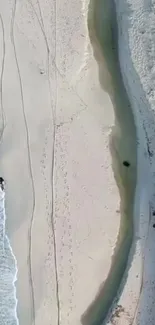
[(2, 183)]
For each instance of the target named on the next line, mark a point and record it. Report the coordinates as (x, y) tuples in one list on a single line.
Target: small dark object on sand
[(153, 213), (154, 225), (126, 163), (2, 183)]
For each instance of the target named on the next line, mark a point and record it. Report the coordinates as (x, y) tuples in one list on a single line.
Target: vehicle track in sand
[(29, 257)]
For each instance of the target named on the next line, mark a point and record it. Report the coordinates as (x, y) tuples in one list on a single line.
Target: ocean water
[(8, 273)]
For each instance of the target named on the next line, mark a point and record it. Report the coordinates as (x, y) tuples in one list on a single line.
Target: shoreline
[(120, 268), (8, 271)]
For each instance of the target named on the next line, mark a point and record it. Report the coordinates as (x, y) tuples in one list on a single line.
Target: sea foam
[(8, 273)]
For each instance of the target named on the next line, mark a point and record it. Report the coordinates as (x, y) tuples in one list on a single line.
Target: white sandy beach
[(62, 201)]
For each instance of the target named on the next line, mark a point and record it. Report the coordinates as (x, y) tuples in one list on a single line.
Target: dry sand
[(62, 199)]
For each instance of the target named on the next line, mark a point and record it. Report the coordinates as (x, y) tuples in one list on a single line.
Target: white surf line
[(7, 285), (8, 271)]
